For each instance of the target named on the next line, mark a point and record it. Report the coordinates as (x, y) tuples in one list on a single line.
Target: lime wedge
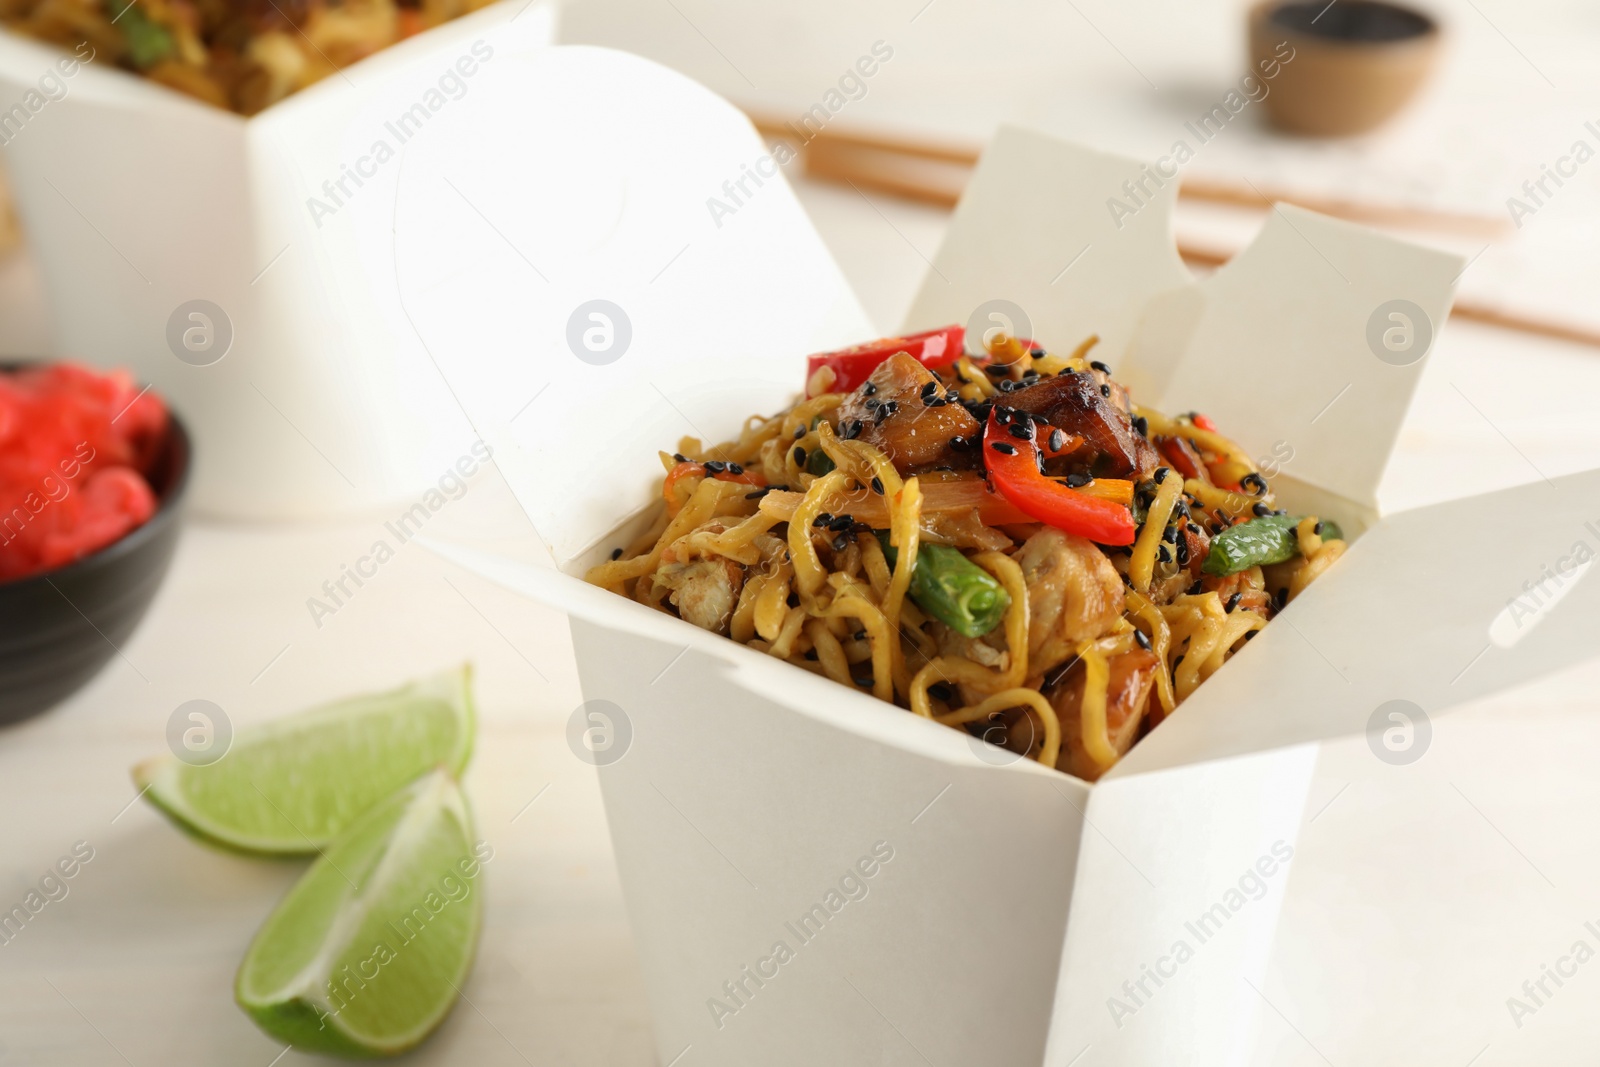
[(366, 954), (291, 786)]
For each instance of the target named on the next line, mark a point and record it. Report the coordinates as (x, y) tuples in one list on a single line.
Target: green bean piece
[(1263, 540), (953, 589)]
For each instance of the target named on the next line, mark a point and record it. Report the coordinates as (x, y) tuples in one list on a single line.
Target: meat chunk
[(704, 591), (1131, 681), (902, 410), (1074, 595), (1074, 402)]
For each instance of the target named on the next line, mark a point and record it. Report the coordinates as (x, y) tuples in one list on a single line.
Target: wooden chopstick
[(936, 174)]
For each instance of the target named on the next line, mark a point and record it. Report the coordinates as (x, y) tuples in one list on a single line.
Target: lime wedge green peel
[(367, 953), (291, 786)]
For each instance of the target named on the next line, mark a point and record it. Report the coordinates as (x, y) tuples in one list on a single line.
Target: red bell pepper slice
[(1013, 466), (854, 365)]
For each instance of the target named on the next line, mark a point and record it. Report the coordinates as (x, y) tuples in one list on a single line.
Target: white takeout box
[(138, 200), (1011, 915)]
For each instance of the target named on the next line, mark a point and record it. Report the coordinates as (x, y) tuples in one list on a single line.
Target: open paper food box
[(817, 877), (301, 381)]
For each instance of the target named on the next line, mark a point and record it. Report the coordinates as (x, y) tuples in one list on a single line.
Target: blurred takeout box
[(244, 266)]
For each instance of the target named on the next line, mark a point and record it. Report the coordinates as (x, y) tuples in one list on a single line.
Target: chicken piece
[(1074, 402), (902, 409), (1119, 395), (704, 591), (1132, 679), (1074, 595)]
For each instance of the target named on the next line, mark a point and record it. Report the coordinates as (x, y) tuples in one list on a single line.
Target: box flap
[(602, 257), (1281, 346), (1436, 607)]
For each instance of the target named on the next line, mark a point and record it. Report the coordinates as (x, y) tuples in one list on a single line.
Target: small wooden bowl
[(1342, 67)]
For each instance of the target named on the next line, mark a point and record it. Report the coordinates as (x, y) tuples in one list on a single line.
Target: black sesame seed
[(877, 485), (759, 493), (1317, 529), (872, 405), (865, 683), (1249, 634), (1192, 528), (1142, 424), (1005, 385), (959, 443), (1020, 431), (1261, 510), (929, 388), (1161, 474), (799, 432), (616, 553), (1004, 448), (1233, 602), (1170, 534), (1139, 636), (822, 519), (859, 635), (1163, 555), (1036, 353), (799, 456), (1105, 390), (1058, 440), (1196, 589), (680, 457), (850, 430), (715, 466), (1101, 367), (842, 523), (1078, 480), (1183, 553), (735, 468), (840, 541), (1217, 527), (869, 389)]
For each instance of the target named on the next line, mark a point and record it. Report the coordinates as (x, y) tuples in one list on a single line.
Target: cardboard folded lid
[(580, 174), (1437, 607), (1273, 346)]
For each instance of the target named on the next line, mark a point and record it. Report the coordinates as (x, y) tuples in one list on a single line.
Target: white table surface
[(1420, 897)]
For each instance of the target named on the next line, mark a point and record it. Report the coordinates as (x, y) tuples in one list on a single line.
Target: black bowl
[(58, 628)]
